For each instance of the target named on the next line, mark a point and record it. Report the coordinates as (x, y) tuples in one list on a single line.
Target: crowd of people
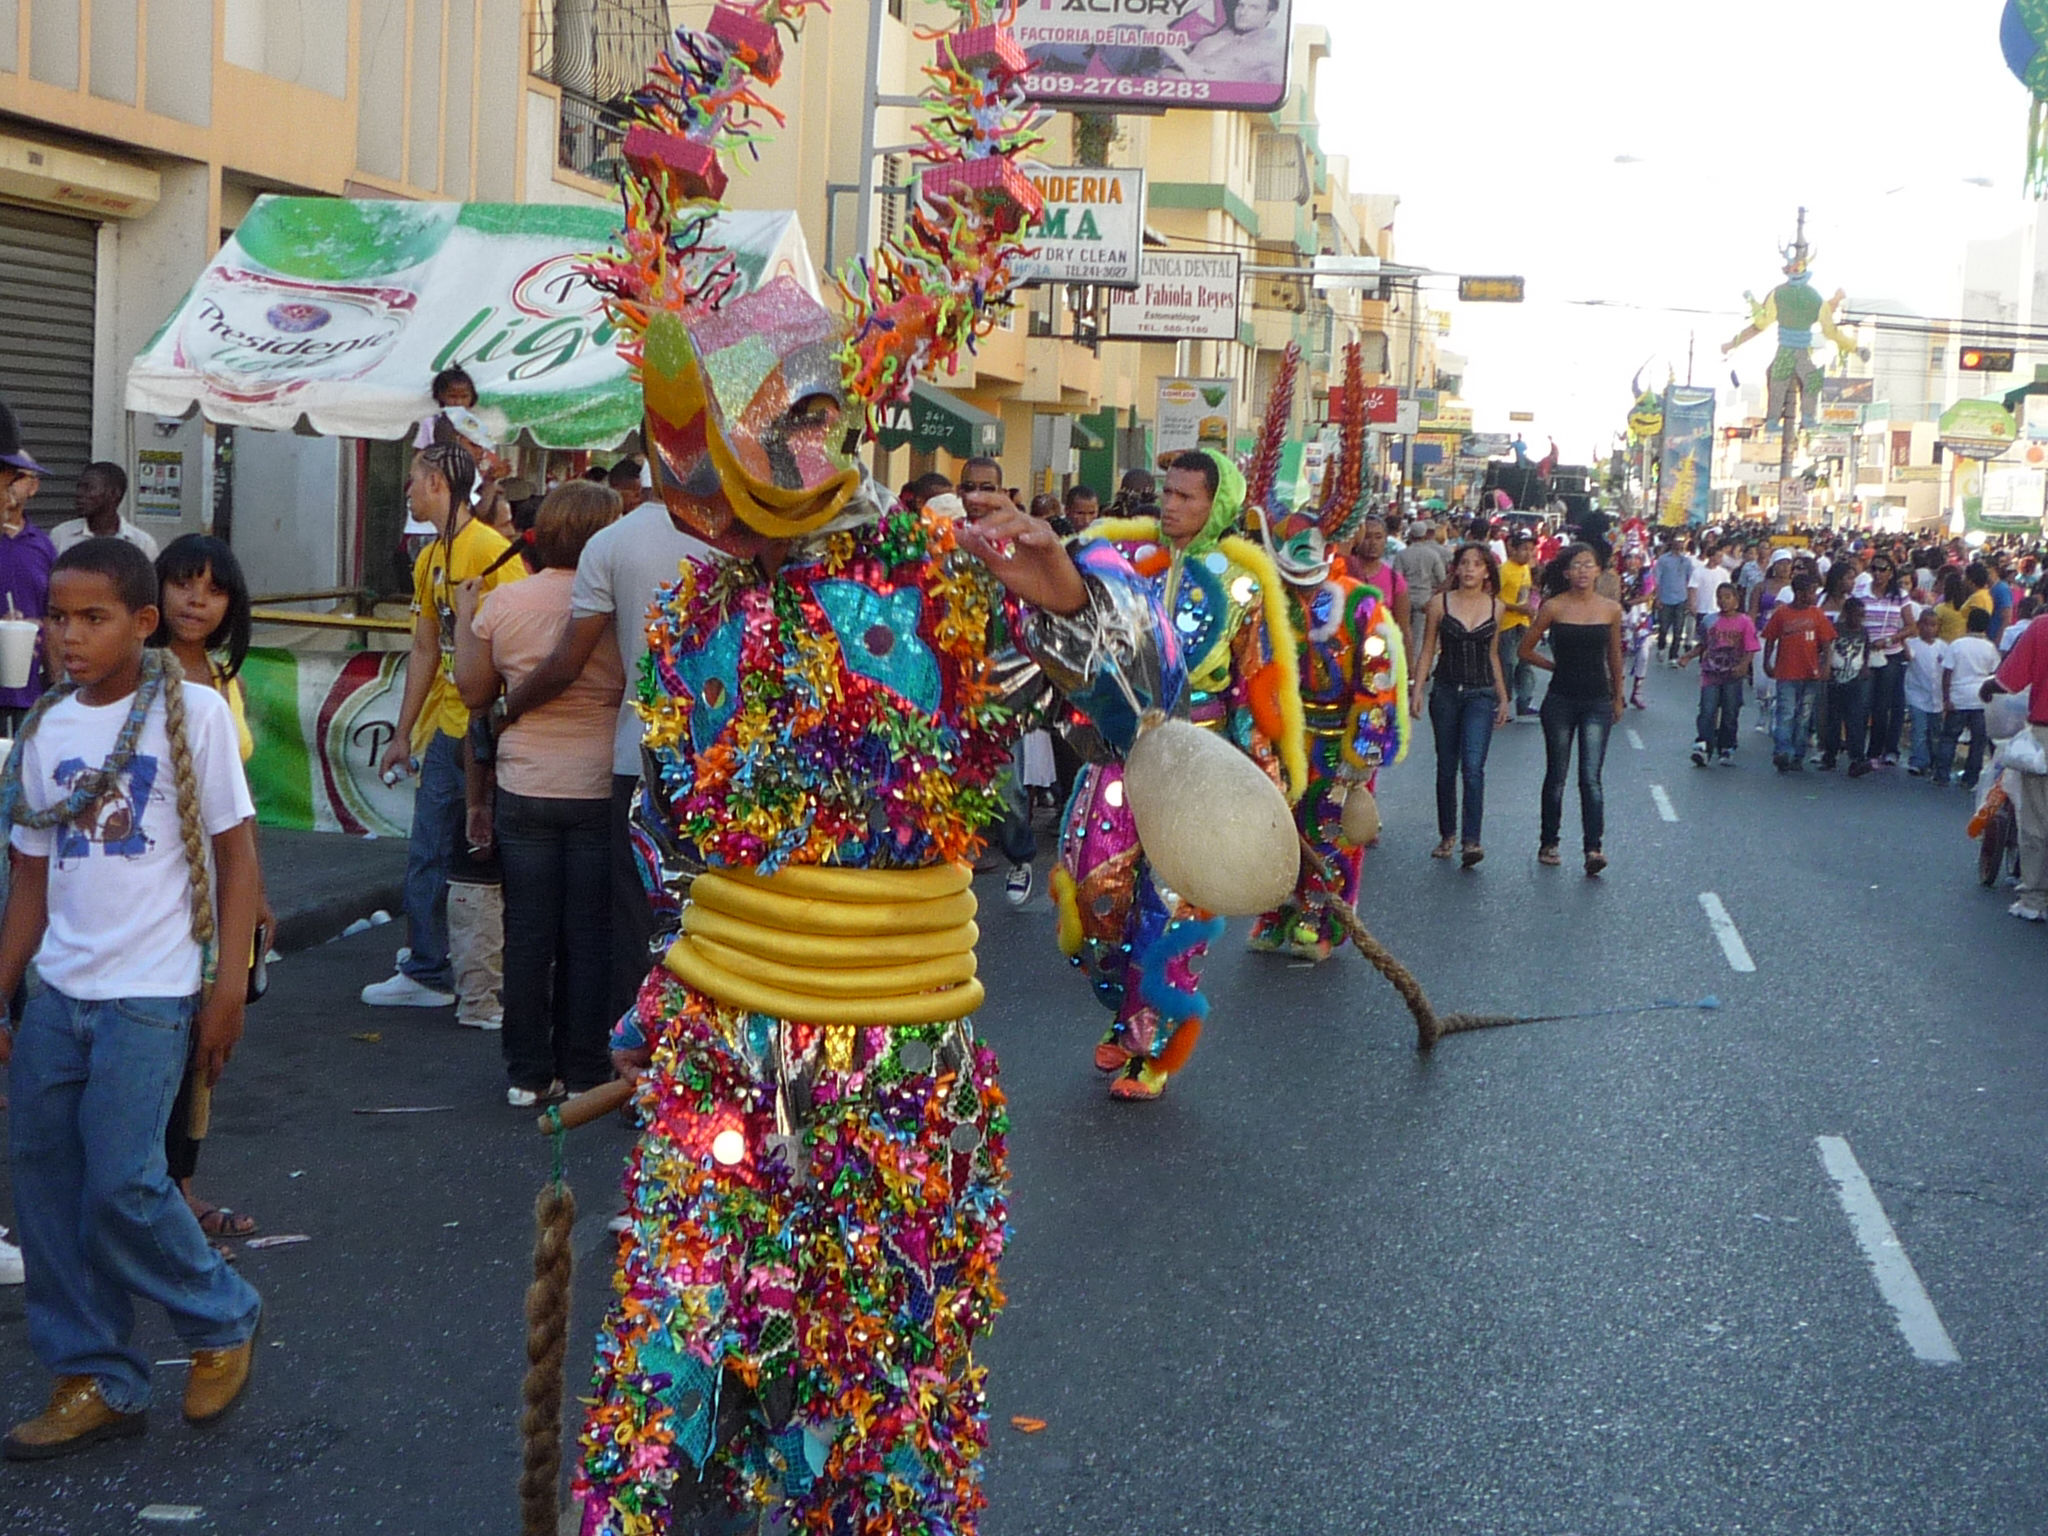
[(1861, 653), (538, 886)]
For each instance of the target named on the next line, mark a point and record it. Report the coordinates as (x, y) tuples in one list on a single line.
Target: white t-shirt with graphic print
[(120, 895)]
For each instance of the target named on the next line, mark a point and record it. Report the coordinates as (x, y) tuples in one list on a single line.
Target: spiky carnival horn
[(1265, 475), (1344, 492)]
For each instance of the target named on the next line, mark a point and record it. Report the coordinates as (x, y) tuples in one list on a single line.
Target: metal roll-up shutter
[(48, 270)]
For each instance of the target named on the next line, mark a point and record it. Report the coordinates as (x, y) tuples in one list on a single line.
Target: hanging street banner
[(1193, 413), (1224, 54), (340, 313), (1179, 297), (2014, 500), (1092, 231), (1687, 465)]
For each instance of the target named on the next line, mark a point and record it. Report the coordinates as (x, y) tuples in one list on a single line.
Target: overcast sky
[(1499, 124)]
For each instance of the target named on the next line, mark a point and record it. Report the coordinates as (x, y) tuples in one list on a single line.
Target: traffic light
[(1986, 360)]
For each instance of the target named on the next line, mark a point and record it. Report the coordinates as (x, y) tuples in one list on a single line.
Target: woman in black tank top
[(1458, 670), (1584, 699)]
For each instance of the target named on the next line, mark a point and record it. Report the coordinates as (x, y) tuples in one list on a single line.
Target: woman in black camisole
[(1584, 699), (1458, 672)]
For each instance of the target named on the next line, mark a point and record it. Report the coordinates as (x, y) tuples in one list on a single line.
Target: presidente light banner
[(341, 312), (1229, 55), (1687, 466)]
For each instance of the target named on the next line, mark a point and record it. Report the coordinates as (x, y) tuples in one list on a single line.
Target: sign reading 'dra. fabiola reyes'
[(1092, 231), (1179, 297)]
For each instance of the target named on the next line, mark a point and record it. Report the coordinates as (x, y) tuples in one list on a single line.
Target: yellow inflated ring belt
[(865, 947)]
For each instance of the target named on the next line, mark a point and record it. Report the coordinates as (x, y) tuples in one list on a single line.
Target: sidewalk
[(320, 882)]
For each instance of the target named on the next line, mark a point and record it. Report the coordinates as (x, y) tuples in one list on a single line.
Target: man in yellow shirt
[(1519, 600), (432, 720)]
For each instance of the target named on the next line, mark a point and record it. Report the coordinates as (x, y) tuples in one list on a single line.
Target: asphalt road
[(1580, 1277)]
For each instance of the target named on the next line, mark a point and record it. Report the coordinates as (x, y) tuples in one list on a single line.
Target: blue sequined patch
[(712, 677), (878, 636)]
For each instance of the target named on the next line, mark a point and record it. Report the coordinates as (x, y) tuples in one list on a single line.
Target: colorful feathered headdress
[(756, 401)]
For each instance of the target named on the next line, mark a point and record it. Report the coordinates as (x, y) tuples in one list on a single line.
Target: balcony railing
[(598, 52)]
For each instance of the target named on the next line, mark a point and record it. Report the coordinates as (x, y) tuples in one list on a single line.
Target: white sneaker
[(12, 1271), (1017, 888), (488, 1021), (401, 991), (2027, 914), (526, 1098)]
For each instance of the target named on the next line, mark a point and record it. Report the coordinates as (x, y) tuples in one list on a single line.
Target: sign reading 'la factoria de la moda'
[(1184, 296), (1225, 54)]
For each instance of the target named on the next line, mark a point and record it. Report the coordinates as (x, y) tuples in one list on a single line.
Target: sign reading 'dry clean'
[(1229, 54), (1179, 297), (1092, 231)]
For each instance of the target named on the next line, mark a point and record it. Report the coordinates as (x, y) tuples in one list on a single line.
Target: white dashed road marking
[(1726, 931), (1665, 808), (1633, 739), (1897, 1281)]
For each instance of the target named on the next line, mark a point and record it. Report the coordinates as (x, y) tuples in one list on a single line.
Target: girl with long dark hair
[(1584, 699), (1469, 696)]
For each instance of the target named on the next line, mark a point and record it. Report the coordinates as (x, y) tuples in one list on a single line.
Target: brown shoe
[(217, 1379), (76, 1418)]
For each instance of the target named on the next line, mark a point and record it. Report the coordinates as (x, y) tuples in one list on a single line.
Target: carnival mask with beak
[(745, 408)]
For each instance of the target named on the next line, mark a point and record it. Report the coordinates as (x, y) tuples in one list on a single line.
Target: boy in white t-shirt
[(116, 790), (1926, 660), (1972, 662)]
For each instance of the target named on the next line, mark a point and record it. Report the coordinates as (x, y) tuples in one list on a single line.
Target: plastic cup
[(18, 639)]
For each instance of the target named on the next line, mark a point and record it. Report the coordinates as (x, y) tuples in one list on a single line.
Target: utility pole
[(1414, 340)]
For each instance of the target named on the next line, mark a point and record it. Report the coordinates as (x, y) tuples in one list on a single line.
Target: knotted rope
[(1431, 1026), (547, 1315)]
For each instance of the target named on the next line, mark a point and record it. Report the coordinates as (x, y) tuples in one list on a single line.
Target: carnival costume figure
[(816, 1206), (1137, 939), (1353, 678)]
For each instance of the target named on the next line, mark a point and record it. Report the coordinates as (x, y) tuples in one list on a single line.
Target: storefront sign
[(1180, 297), (1978, 429), (1229, 54), (1093, 229), (1193, 413)]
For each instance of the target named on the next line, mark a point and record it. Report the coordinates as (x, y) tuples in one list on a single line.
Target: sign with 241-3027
[(1139, 54)]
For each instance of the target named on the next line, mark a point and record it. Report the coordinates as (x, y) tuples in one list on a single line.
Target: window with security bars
[(598, 52)]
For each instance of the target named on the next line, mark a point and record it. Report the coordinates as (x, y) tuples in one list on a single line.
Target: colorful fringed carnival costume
[(1353, 671), (817, 1204), (1136, 939)]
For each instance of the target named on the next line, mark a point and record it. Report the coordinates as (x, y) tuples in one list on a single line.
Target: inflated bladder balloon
[(1361, 821), (1217, 831)]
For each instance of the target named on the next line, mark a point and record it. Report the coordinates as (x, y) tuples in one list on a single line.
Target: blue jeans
[(1462, 719), (1952, 729), (438, 804), (1926, 732), (1792, 717), (1518, 674), (1013, 832), (1585, 722), (1720, 714), (101, 1223), (556, 855)]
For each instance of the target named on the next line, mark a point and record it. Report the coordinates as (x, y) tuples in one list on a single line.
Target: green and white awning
[(337, 314)]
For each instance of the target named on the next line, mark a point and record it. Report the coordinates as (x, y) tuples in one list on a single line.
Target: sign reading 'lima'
[(1092, 231)]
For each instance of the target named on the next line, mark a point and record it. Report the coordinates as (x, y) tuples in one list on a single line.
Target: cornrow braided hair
[(163, 677)]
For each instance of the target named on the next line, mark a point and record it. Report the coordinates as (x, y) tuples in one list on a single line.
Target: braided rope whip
[(1430, 1026), (547, 1330)]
